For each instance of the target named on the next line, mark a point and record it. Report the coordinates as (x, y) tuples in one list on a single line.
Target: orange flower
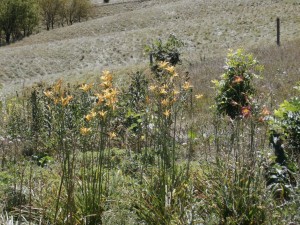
[(246, 111), (238, 79), (265, 111)]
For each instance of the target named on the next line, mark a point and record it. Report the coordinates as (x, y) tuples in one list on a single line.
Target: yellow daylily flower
[(199, 96), (152, 87), (100, 98), (65, 101), (90, 116), (186, 86), (57, 86), (112, 135), (48, 94), (163, 64), (102, 113), (167, 113), (165, 102), (84, 130), (86, 87), (170, 69), (163, 91)]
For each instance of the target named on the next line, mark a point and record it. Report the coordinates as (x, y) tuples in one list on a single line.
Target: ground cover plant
[(141, 153)]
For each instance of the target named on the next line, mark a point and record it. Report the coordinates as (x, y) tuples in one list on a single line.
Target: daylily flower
[(90, 116), (57, 86), (65, 101), (238, 79), (186, 86), (167, 113), (86, 87), (85, 131), (48, 94), (100, 98), (102, 113), (152, 88), (265, 111), (246, 111), (170, 69), (165, 102), (162, 64), (163, 91), (112, 135), (199, 96)]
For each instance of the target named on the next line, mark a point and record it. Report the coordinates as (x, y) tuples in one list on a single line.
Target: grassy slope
[(115, 39)]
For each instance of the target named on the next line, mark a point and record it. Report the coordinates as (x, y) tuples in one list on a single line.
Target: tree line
[(18, 18)]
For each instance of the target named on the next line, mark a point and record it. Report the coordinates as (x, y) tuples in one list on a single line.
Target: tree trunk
[(7, 38)]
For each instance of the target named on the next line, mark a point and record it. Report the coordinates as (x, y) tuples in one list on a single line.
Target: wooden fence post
[(278, 31)]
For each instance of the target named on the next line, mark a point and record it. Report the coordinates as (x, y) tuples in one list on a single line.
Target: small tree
[(235, 89), (17, 16), (164, 52), (49, 10)]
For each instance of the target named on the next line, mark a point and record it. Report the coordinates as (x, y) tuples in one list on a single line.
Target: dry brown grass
[(116, 39)]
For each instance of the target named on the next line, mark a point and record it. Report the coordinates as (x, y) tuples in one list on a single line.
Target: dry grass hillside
[(116, 34)]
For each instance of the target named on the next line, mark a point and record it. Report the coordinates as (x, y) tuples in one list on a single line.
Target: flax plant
[(97, 128), (168, 97), (60, 107)]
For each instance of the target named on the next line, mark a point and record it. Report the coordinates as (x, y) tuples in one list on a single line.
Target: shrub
[(287, 122), (164, 52), (235, 90)]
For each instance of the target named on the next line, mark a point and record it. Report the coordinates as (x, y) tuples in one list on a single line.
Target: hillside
[(114, 38)]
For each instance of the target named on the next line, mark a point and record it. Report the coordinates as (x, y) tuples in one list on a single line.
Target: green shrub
[(164, 52), (235, 90), (287, 123)]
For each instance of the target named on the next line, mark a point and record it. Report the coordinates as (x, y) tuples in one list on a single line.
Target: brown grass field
[(115, 35)]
